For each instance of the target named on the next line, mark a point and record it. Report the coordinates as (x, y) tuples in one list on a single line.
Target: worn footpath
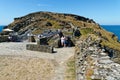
[(13, 49)]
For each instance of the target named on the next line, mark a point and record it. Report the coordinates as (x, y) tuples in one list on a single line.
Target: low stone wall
[(4, 38), (92, 63), (114, 54), (41, 48), (81, 54)]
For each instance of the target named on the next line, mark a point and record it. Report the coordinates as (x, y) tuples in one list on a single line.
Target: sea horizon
[(1, 27), (115, 29), (110, 24)]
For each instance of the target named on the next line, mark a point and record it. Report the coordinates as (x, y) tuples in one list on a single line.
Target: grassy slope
[(59, 21), (70, 69), (107, 39)]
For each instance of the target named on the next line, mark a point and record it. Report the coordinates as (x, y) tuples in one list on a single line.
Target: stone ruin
[(92, 62), (41, 46), (42, 42), (46, 41)]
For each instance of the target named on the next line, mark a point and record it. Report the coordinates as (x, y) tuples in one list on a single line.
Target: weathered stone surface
[(41, 48), (103, 54), (104, 58), (92, 57), (4, 38), (31, 39), (105, 61)]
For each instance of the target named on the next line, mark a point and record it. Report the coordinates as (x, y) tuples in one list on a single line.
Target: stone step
[(104, 58), (103, 54), (105, 61)]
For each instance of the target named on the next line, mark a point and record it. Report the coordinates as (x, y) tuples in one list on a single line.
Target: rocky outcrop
[(113, 53), (93, 63), (41, 21), (38, 22)]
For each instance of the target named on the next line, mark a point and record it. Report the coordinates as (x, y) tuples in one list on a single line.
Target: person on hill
[(66, 42), (69, 42), (10, 38), (77, 33), (62, 41), (60, 33), (59, 43)]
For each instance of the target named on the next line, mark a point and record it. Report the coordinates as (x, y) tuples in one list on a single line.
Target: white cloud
[(42, 5)]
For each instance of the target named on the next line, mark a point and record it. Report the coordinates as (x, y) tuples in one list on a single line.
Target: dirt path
[(19, 50), (63, 55)]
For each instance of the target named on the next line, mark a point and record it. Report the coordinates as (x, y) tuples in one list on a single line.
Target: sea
[(1, 27), (111, 28)]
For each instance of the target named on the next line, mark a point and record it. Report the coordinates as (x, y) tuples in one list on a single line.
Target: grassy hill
[(39, 21)]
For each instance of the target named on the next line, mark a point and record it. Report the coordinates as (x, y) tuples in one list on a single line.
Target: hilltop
[(38, 22), (47, 20), (93, 56)]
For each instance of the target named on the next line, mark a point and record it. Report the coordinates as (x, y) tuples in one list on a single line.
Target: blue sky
[(102, 11)]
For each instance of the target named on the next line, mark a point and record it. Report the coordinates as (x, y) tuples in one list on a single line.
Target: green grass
[(70, 71), (68, 33), (111, 42), (85, 31)]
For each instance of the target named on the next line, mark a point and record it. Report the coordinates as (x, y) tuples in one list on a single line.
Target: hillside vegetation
[(41, 21)]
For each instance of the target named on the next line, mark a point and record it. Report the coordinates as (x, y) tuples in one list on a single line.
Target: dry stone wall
[(4, 39), (40, 47), (92, 63)]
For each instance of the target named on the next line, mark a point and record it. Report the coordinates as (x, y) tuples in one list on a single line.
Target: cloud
[(42, 5)]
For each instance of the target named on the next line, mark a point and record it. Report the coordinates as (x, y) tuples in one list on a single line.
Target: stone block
[(41, 48)]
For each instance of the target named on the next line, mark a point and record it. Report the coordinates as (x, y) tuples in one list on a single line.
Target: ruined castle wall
[(41, 48), (92, 63)]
